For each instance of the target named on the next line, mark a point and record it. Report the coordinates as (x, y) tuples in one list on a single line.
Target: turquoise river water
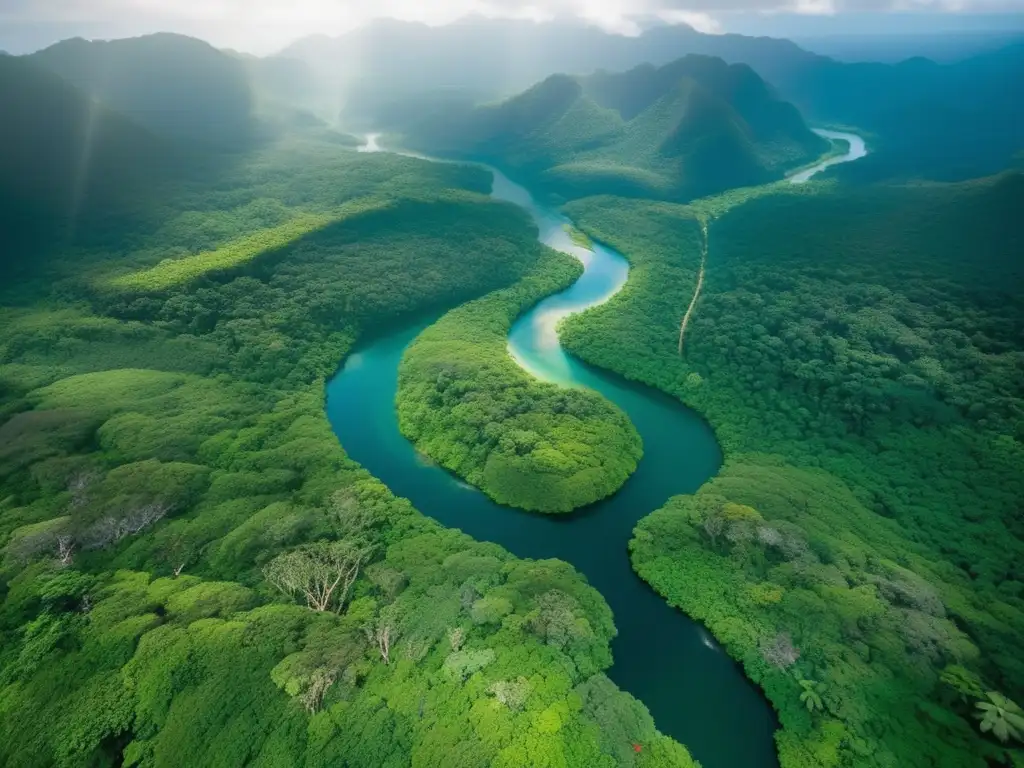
[(695, 692)]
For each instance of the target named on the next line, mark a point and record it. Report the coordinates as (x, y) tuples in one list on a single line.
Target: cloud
[(264, 24), (702, 22)]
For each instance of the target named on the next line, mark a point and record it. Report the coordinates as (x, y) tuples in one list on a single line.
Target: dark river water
[(695, 692)]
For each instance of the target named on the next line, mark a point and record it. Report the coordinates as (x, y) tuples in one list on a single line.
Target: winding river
[(695, 692)]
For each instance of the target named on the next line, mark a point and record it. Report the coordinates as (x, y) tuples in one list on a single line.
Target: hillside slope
[(175, 86), (64, 158)]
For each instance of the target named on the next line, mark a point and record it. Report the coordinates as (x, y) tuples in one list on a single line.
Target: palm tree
[(1001, 716), (811, 694)]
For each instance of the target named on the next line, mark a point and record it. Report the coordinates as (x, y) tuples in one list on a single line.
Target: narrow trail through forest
[(856, 150), (700, 284)]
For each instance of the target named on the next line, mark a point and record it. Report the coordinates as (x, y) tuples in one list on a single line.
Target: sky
[(264, 26)]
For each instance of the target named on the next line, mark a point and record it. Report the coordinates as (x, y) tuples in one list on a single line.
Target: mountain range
[(654, 130), (690, 128), (174, 86), (917, 111), (65, 157), (92, 129)]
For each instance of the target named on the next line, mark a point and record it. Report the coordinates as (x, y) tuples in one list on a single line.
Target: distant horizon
[(26, 37)]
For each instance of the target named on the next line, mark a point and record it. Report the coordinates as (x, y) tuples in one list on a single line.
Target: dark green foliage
[(465, 403), (691, 128), (64, 160), (161, 447), (176, 86), (872, 635), (860, 370), (952, 121)]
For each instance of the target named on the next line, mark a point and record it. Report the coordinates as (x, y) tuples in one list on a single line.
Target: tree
[(382, 633), (739, 532), (456, 636), (713, 526), (811, 694), (768, 536), (555, 620), (490, 610), (35, 540), (142, 517), (178, 554), (780, 651), (1001, 716), (512, 693), (355, 520), (468, 595), (65, 549), (78, 487), (461, 664), (965, 684), (322, 572), (111, 529), (319, 682), (389, 581)]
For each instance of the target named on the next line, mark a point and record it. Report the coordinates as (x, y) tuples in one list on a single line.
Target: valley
[(619, 418), (671, 673)]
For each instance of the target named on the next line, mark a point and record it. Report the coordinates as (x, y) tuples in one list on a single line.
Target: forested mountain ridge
[(692, 128), (946, 122), (65, 160), (175, 86)]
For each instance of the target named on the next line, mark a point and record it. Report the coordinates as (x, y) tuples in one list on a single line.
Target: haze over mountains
[(64, 155), (919, 110), (92, 128), (690, 128), (943, 48), (173, 88)]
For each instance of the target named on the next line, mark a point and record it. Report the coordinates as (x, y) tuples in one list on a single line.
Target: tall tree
[(1001, 716), (322, 572)]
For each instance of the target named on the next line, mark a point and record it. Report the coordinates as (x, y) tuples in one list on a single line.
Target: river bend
[(695, 692)]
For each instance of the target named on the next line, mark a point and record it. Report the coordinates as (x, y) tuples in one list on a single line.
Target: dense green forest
[(190, 563), (192, 568), (466, 404), (860, 552), (692, 128)]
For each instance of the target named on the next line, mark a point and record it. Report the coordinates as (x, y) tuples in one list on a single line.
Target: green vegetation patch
[(815, 596), (579, 237), (170, 273), (465, 403)]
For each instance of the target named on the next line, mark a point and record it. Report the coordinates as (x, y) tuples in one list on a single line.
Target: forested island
[(193, 569)]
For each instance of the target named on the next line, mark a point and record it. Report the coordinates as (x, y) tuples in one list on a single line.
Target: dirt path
[(700, 285)]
